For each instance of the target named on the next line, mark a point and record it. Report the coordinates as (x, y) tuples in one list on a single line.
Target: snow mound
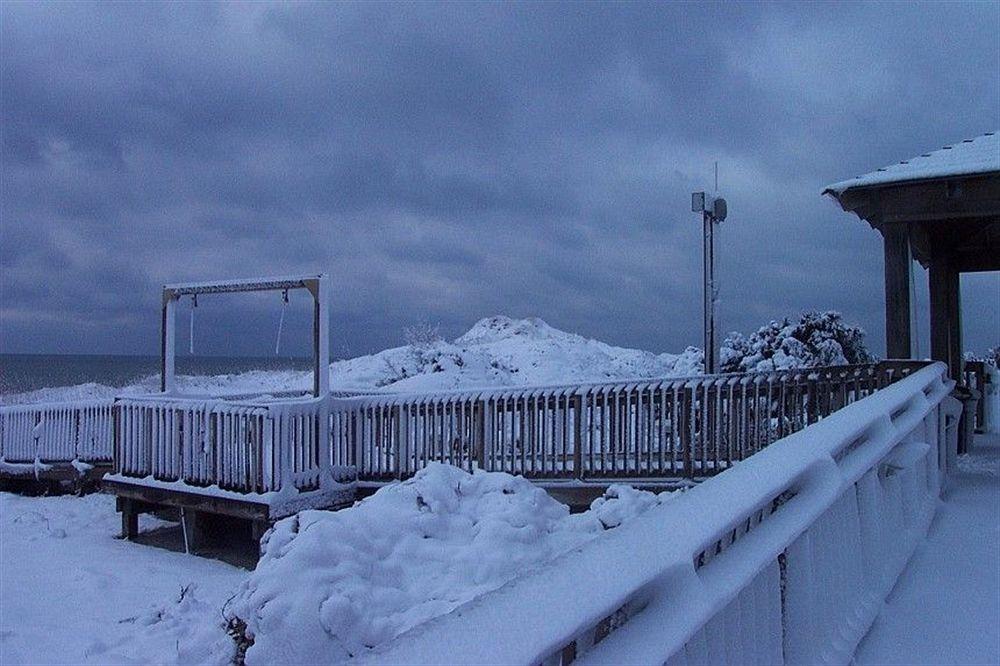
[(498, 351), (330, 585)]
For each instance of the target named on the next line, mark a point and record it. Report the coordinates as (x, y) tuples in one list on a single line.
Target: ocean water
[(26, 372)]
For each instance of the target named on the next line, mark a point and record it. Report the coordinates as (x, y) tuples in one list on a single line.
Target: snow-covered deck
[(945, 606), (148, 605)]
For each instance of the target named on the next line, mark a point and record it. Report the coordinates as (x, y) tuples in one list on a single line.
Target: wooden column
[(957, 350), (896, 245), (167, 342), (946, 326)]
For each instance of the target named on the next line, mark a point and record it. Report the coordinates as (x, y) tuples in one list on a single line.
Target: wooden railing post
[(396, 412), (483, 415), (578, 436), (688, 430)]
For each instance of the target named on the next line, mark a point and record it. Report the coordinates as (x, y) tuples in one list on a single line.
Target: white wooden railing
[(57, 433), (784, 558), (243, 447), (651, 428), (659, 428)]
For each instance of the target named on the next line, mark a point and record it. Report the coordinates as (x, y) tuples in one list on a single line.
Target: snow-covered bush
[(817, 339), (422, 334), (992, 356), (330, 585)]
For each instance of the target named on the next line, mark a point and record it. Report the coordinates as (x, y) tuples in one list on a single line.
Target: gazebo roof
[(948, 200), (980, 155)]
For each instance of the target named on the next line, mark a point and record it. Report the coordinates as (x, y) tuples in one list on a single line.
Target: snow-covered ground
[(72, 593), (496, 351), (328, 584), (945, 607)]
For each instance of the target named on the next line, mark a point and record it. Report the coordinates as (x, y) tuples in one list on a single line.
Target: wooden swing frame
[(317, 285)]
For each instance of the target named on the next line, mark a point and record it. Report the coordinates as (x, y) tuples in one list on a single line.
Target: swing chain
[(281, 322), (194, 304)]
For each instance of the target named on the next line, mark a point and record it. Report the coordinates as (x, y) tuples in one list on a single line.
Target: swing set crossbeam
[(309, 282), (317, 285)]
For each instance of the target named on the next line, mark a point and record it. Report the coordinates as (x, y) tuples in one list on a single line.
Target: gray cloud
[(447, 162)]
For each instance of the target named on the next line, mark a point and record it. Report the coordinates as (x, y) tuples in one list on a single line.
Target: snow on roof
[(972, 156)]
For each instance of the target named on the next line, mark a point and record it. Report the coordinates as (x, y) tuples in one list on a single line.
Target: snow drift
[(331, 585), (497, 351)]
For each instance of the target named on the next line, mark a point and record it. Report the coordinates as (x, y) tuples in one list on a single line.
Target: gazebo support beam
[(896, 245), (946, 313)]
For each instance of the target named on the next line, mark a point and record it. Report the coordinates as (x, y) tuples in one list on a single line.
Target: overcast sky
[(448, 162)]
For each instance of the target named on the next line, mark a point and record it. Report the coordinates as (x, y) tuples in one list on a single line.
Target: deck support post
[(130, 518), (578, 436)]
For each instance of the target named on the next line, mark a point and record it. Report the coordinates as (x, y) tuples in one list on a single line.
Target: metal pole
[(709, 275)]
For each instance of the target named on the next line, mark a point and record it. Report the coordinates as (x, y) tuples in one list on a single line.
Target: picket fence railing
[(674, 427), (784, 559), (660, 428), (244, 447), (57, 433)]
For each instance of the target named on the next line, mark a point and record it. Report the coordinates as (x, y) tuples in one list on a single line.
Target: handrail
[(71, 432), (577, 387), (659, 427), (692, 426), (245, 447)]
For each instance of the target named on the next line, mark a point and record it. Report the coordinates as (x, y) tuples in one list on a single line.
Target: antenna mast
[(713, 210)]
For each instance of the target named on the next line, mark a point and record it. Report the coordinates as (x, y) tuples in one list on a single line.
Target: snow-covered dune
[(496, 351), (500, 351)]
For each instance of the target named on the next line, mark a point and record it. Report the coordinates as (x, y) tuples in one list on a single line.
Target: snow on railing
[(785, 558), (673, 427), (44, 434), (246, 447)]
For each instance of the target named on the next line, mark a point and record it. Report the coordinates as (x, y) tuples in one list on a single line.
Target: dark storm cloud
[(447, 162)]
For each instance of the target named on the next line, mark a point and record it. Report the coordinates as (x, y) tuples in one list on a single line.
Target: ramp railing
[(785, 558)]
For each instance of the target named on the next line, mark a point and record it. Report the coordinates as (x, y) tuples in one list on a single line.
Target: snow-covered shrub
[(422, 334), (817, 339), (992, 356), (330, 585)]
